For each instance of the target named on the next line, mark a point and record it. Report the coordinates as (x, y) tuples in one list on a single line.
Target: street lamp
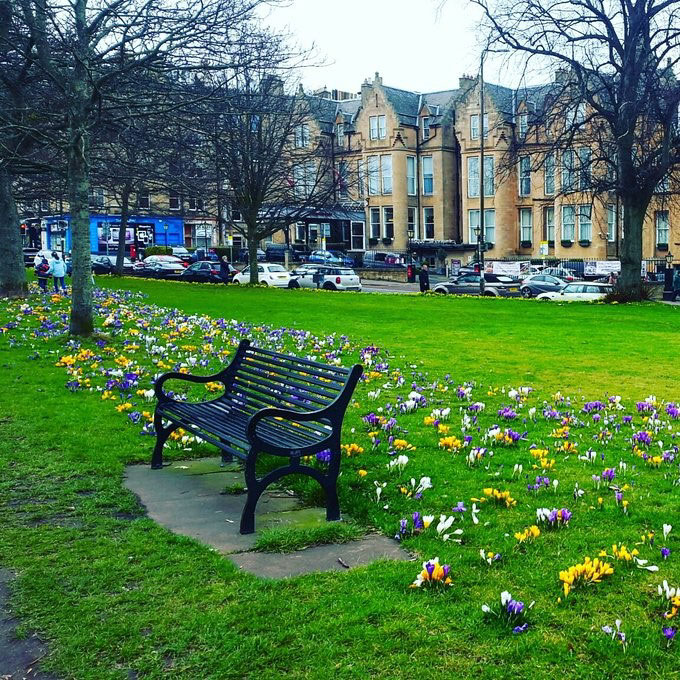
[(165, 228), (410, 234), (668, 294)]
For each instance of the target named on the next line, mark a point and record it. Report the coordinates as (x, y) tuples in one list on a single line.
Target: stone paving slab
[(19, 657), (188, 498)]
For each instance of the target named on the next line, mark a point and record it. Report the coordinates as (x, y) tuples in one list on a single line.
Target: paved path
[(189, 498), (19, 657)]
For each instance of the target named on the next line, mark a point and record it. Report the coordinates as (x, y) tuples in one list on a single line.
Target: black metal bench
[(272, 403)]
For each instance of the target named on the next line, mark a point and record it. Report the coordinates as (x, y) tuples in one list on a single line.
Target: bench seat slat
[(259, 384), (328, 381), (289, 379), (337, 374)]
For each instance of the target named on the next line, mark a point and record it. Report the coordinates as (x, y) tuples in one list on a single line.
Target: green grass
[(113, 592), (290, 539)]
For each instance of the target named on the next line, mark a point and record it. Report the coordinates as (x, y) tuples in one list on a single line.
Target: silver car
[(328, 278)]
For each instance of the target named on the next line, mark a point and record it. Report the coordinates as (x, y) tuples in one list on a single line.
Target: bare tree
[(86, 47), (275, 166), (616, 95)]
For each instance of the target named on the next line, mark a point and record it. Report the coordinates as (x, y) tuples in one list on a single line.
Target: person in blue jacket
[(58, 271)]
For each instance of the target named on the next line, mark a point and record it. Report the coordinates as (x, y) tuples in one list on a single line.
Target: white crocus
[(666, 530), (505, 597), (444, 523)]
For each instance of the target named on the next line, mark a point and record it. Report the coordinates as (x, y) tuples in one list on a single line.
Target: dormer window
[(474, 126), (523, 125), (425, 126), (378, 127), (340, 134), (302, 136)]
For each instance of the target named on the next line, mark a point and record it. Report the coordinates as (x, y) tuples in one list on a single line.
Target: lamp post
[(410, 234), (165, 229), (668, 294)]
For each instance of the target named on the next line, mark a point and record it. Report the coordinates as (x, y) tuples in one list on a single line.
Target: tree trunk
[(634, 210), (252, 254), (12, 269), (82, 322), (124, 213)]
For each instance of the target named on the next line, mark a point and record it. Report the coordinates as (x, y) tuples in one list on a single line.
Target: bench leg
[(330, 486), (255, 490), (162, 434)]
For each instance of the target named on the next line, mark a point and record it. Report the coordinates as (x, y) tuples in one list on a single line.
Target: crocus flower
[(665, 552), (518, 630)]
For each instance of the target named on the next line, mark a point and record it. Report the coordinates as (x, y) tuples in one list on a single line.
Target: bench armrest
[(286, 414), (158, 385)]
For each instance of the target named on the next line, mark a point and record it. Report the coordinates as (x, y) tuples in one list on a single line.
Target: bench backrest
[(264, 378)]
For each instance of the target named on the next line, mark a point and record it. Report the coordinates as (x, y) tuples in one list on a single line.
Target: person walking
[(676, 284), (424, 279), (225, 269), (42, 269), (58, 271)]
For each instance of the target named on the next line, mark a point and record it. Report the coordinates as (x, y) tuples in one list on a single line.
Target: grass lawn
[(115, 594)]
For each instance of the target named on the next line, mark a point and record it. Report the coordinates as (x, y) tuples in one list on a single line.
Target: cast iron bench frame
[(261, 411)]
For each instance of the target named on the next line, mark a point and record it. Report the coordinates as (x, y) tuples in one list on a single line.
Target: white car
[(572, 292), (328, 278), (268, 274)]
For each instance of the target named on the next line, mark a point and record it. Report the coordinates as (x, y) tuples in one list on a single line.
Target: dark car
[(105, 264), (243, 255), (202, 255), (29, 256), (276, 252), (541, 283), (497, 285), (330, 257), (377, 259), (182, 253), (204, 272)]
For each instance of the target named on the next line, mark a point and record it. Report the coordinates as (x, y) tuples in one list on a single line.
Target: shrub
[(158, 250), (642, 293)]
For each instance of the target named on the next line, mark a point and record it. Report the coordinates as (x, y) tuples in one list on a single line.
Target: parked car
[(276, 252), (159, 266), (268, 274), (328, 278), (497, 285), (567, 275), (29, 256), (105, 264), (578, 291), (330, 257), (182, 253), (203, 272), (375, 259), (243, 255), (202, 255), (541, 283)]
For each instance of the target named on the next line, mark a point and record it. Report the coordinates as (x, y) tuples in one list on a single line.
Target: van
[(378, 259)]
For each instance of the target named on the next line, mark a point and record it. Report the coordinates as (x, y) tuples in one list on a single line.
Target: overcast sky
[(412, 43)]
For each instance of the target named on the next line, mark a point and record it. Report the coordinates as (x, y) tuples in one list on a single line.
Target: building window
[(474, 126), (584, 179), (378, 127), (568, 171), (428, 223), (412, 222), (473, 176), (340, 134), (662, 226), (96, 197), (373, 175), (489, 179), (549, 224), (549, 174), (375, 223), (526, 227), (302, 136), (236, 214), (425, 122), (300, 231), (523, 125), (428, 176), (611, 222), (576, 115), (43, 205), (174, 201), (585, 224), (143, 200), (357, 231), (195, 204), (524, 176), (386, 174), (388, 222), (411, 185), (304, 177), (489, 225), (313, 233), (343, 177), (568, 222)]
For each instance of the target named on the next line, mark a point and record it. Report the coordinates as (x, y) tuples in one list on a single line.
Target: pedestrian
[(42, 273), (424, 278), (612, 278), (225, 269), (676, 284), (58, 271)]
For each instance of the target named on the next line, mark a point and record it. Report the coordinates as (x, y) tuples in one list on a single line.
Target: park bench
[(272, 403)]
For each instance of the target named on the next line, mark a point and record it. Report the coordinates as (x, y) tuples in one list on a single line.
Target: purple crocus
[(417, 521), (518, 630), (608, 474), (429, 567), (669, 632), (515, 607), (459, 507), (665, 552)]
